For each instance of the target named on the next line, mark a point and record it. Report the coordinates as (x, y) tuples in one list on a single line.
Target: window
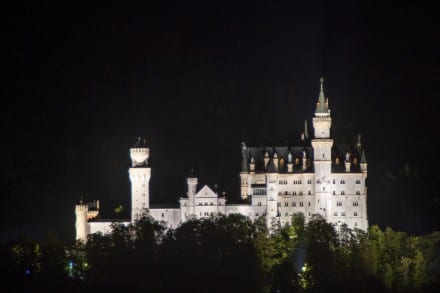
[(358, 193), (200, 203), (335, 214), (334, 192), (211, 204), (206, 203), (286, 214), (301, 204), (279, 204), (342, 192), (300, 193), (339, 203), (309, 181), (355, 214), (337, 161), (257, 214), (342, 181), (309, 203), (355, 161), (294, 193), (163, 215), (343, 214), (358, 181), (334, 181), (293, 204), (286, 204), (310, 193), (296, 161), (259, 203), (355, 204)]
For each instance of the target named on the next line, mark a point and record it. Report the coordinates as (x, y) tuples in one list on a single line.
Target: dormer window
[(337, 161), (355, 161)]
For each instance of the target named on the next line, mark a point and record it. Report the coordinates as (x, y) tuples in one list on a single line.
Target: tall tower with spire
[(139, 173), (322, 146)]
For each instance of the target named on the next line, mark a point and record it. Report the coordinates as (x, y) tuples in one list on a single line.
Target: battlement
[(92, 214), (139, 156), (81, 208)]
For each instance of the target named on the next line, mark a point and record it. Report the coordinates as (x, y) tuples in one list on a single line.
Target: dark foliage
[(227, 254)]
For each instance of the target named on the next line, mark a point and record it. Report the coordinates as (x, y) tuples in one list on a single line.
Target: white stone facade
[(318, 177)]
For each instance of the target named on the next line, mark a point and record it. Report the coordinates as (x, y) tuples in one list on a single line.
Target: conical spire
[(363, 158), (321, 105)]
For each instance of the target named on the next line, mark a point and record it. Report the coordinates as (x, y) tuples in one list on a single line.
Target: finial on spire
[(322, 104)]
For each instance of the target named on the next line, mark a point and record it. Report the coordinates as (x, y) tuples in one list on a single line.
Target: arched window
[(337, 161), (296, 161), (355, 161)]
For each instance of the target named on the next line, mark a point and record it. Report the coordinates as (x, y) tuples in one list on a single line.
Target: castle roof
[(297, 152), (340, 154)]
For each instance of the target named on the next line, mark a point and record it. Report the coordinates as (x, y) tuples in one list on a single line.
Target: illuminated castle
[(318, 177)]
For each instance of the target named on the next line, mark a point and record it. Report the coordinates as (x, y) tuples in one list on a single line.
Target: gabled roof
[(206, 192)]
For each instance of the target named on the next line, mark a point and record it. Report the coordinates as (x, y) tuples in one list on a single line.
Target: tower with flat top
[(139, 173)]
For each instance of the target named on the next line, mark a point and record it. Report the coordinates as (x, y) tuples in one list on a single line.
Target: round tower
[(192, 190), (81, 224), (139, 173)]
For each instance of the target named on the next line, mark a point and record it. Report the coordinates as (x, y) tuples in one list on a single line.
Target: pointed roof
[(363, 158), (271, 167), (321, 105), (206, 192)]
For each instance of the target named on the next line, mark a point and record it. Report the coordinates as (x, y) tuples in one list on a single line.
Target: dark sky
[(81, 83)]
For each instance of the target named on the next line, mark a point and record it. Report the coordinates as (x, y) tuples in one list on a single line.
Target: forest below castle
[(227, 254)]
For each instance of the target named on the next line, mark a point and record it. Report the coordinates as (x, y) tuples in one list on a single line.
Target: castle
[(318, 177)]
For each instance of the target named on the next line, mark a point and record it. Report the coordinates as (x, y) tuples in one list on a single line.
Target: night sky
[(82, 83)]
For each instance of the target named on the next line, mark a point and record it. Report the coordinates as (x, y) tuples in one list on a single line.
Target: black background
[(82, 82)]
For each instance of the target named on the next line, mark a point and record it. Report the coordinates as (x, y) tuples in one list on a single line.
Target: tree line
[(228, 254)]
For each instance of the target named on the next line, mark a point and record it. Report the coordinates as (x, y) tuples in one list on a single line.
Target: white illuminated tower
[(140, 173), (322, 151)]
